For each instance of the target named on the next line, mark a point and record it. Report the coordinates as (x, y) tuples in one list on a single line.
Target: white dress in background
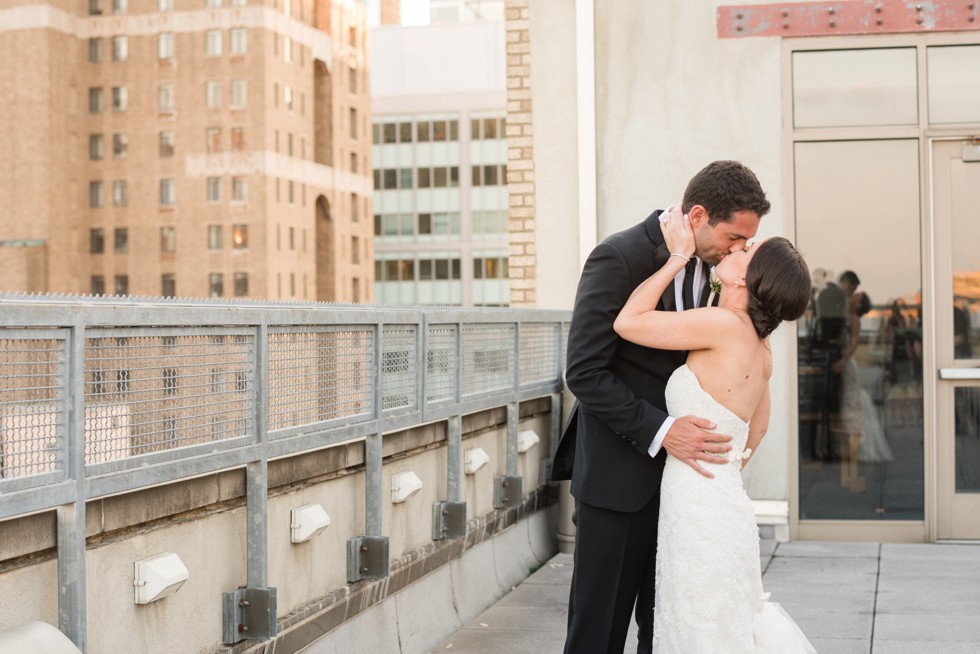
[(709, 597)]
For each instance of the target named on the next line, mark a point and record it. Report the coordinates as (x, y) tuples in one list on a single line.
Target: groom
[(619, 427)]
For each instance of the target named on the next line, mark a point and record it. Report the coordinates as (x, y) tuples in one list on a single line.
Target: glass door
[(859, 348), (956, 213)]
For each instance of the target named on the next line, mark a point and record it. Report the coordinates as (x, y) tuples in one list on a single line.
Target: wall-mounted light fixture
[(159, 576), (404, 485), (307, 521), (475, 459), (527, 439)]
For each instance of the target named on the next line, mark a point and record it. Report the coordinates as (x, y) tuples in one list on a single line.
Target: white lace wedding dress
[(709, 597)]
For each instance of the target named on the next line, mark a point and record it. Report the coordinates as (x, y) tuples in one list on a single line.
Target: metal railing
[(101, 396)]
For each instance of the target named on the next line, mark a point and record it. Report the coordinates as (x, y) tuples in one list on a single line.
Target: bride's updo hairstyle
[(778, 282)]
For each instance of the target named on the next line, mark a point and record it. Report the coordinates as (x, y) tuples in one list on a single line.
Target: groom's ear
[(698, 215)]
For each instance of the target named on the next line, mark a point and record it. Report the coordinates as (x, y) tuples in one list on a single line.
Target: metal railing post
[(72, 617)]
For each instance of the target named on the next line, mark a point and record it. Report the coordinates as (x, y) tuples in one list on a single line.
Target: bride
[(709, 596)]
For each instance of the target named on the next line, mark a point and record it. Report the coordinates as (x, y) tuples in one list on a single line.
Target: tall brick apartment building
[(186, 147)]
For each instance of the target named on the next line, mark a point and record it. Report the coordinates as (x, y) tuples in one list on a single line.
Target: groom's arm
[(592, 344)]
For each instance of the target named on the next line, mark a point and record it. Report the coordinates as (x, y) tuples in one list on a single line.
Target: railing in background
[(108, 395)]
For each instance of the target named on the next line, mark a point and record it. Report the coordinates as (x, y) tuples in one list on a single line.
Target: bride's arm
[(759, 424), (640, 322)]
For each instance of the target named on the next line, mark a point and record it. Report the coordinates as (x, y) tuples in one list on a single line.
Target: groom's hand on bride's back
[(688, 441)]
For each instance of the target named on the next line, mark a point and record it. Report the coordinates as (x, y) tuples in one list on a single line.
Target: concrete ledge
[(459, 579)]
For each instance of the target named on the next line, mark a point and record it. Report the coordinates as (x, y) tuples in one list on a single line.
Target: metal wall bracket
[(248, 612), (367, 558), (507, 492), (544, 475), (448, 520)]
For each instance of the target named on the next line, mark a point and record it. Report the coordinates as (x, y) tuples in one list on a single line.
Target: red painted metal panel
[(847, 17)]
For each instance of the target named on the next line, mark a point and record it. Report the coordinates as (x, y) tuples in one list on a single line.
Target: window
[(95, 100), (165, 5), (168, 239), (121, 240), (241, 284), (238, 139), (292, 238), (96, 147), (95, 197), (353, 162), (215, 233), (168, 142), (439, 130), (119, 6), (120, 193), (490, 268), (122, 288), (453, 130), (120, 146), (405, 132), (95, 7), (291, 192), (212, 43), (422, 132), (165, 96), (239, 189), (352, 36), (389, 135), (165, 45), (353, 207), (212, 139), (490, 177), (239, 93), (355, 250), (212, 94), (239, 237), (96, 240), (287, 97), (168, 192), (439, 178), (98, 285), (353, 80), (406, 178), (120, 98), (120, 48), (287, 49), (489, 128), (214, 189), (95, 51), (216, 285), (353, 123), (239, 41), (168, 285), (425, 177)]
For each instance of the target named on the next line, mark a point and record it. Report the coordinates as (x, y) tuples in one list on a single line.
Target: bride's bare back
[(736, 372)]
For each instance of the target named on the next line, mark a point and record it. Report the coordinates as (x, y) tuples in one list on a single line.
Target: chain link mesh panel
[(320, 374), (155, 392), (440, 363), (399, 356), (488, 358), (32, 410), (539, 352)]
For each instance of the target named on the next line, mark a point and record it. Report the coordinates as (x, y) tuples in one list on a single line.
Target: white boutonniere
[(715, 284)]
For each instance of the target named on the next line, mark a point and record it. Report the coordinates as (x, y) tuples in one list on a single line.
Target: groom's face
[(714, 243)]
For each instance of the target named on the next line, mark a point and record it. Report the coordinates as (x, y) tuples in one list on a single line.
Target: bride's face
[(735, 265)]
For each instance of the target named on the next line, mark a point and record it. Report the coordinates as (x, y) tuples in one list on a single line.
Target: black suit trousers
[(614, 567)]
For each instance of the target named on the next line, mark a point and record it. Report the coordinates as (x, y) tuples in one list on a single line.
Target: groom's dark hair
[(724, 187)]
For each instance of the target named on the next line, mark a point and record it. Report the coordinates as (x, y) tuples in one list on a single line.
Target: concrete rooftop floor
[(849, 598)]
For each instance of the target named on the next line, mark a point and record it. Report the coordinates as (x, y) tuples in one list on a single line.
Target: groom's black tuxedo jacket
[(619, 386)]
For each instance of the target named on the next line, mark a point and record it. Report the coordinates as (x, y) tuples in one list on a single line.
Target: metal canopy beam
[(848, 17)]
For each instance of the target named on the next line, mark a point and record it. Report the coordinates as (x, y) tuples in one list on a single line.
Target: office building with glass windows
[(186, 147), (440, 164)]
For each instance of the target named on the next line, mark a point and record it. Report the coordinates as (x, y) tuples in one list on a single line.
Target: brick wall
[(520, 156)]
